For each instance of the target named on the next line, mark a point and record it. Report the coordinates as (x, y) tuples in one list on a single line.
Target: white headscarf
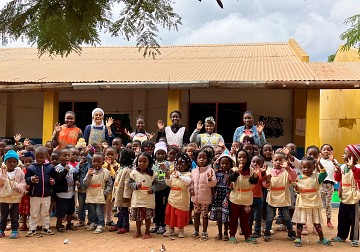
[(93, 120)]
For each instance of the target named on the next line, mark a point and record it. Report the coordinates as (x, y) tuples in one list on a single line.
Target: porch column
[(312, 132), (50, 114), (299, 113), (174, 103)]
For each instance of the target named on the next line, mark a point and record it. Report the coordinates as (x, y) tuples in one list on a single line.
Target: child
[(327, 187), (278, 182), (308, 203), (143, 181), (99, 183), (54, 160), (140, 133), (220, 207), (349, 176), (177, 209), (203, 179), (40, 176), (235, 146), (24, 207), (65, 191), (160, 167), (12, 188), (190, 148), (241, 196), (84, 165), (172, 152), (117, 144), (122, 191), (136, 147)]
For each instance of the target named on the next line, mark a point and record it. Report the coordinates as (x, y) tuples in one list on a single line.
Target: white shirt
[(330, 169)]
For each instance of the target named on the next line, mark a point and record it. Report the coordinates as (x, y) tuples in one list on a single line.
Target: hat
[(160, 146), (354, 150), (11, 154), (225, 155), (80, 143), (210, 120)]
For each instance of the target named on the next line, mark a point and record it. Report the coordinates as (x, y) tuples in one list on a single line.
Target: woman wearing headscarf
[(249, 129), (97, 131), (209, 138), (67, 133)]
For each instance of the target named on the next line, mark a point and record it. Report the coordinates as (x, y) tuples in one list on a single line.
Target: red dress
[(24, 207)]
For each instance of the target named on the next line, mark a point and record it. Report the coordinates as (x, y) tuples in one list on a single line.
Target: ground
[(82, 240)]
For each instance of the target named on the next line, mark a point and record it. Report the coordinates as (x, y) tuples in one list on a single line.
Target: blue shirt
[(258, 140)]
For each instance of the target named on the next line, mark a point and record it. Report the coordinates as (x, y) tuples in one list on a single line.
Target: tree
[(352, 35), (60, 27)]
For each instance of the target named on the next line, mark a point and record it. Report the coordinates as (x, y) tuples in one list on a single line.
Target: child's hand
[(296, 187), (331, 156), (67, 167), (151, 136), (268, 178), (139, 185), (350, 162), (116, 167), (192, 192), (167, 174), (209, 175), (52, 181), (160, 125), (285, 165), (16, 190), (221, 145), (240, 168), (150, 191), (17, 138), (163, 167), (91, 171), (77, 183), (4, 171), (176, 174), (263, 170), (35, 179), (27, 142)]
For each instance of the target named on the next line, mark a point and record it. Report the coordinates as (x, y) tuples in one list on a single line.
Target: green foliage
[(60, 27), (352, 35), (331, 58)]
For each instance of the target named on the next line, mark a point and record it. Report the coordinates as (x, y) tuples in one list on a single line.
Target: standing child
[(12, 188), (308, 203), (172, 152), (235, 146), (278, 182), (40, 176), (349, 176), (140, 133), (177, 209), (99, 183), (143, 181), (220, 207), (122, 191), (203, 179)]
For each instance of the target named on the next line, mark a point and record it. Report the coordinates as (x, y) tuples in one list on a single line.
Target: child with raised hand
[(40, 177), (308, 204), (99, 185), (349, 176), (241, 196), (143, 181), (65, 191), (161, 167), (327, 186), (177, 209), (220, 206), (12, 188), (278, 182), (140, 133), (203, 179), (122, 191)]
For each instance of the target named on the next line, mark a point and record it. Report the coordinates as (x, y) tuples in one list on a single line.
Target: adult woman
[(97, 132), (174, 134), (67, 133), (209, 138), (249, 129)]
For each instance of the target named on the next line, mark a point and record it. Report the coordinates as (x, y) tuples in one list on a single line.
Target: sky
[(315, 24)]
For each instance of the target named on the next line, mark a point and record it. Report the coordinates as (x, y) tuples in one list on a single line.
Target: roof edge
[(298, 50)]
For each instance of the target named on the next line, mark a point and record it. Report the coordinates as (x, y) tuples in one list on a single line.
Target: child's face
[(256, 149), (40, 157), (11, 164), (117, 144), (235, 147), (218, 152), (242, 158), (171, 155), (201, 159), (291, 146), (278, 160), (160, 155), (83, 157), (307, 167), (225, 164), (28, 161), (313, 152), (267, 151), (64, 157), (104, 145), (181, 165), (347, 154), (74, 155), (209, 128), (190, 151), (256, 161), (140, 124), (135, 147), (2, 148), (54, 159), (49, 147), (143, 163), (326, 151), (149, 149), (110, 156), (249, 148), (129, 146), (97, 162)]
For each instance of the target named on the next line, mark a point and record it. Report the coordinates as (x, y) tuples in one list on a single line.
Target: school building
[(297, 99)]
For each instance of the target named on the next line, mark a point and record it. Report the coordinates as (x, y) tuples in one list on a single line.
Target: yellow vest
[(179, 196), (140, 197), (242, 191), (278, 191), (309, 192), (95, 191), (349, 193)]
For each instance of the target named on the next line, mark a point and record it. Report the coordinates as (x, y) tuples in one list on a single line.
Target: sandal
[(325, 242), (195, 235), (251, 240), (61, 229), (226, 238), (136, 236), (146, 236), (71, 227), (218, 237), (337, 239), (204, 236), (297, 242), (354, 243), (233, 240)]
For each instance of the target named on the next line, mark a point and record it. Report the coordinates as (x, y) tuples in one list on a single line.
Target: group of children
[(163, 184)]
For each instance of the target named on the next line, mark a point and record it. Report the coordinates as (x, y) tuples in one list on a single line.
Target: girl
[(24, 207), (177, 209), (143, 181), (140, 132), (172, 152), (84, 165), (220, 207), (349, 176), (278, 182), (308, 203), (327, 187), (203, 179), (235, 146), (99, 183), (12, 188), (241, 196), (122, 191)]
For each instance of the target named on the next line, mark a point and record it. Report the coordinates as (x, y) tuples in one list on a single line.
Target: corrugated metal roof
[(258, 62)]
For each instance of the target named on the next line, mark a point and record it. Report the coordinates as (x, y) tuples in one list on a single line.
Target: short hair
[(41, 149), (208, 156), (322, 146), (126, 157), (175, 111), (248, 158), (312, 147)]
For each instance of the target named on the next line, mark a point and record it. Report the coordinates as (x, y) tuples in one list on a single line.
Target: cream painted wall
[(3, 113)]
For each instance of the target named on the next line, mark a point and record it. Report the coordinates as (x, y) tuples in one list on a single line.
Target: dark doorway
[(82, 109)]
